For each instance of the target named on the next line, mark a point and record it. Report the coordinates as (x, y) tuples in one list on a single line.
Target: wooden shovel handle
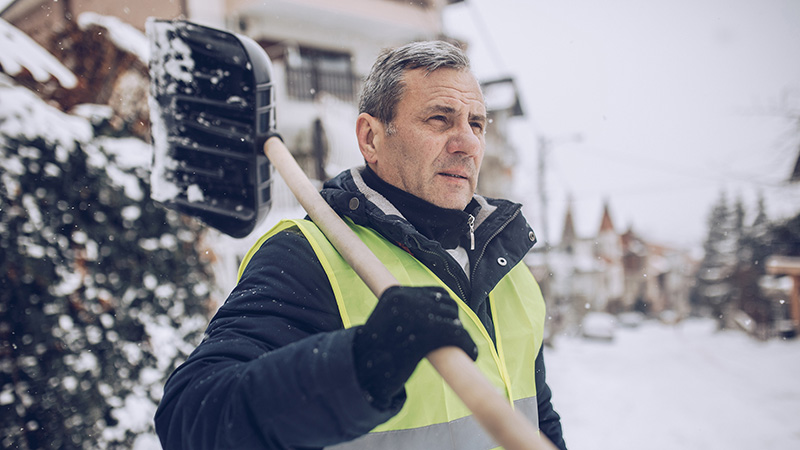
[(508, 427)]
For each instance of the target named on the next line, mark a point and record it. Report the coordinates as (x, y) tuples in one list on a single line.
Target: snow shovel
[(213, 106), (214, 92)]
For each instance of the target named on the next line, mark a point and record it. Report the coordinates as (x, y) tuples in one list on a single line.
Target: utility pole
[(543, 148), (545, 144)]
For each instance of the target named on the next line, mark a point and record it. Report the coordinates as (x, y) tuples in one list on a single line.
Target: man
[(301, 355)]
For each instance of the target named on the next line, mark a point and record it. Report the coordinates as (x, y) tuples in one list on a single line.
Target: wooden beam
[(794, 302), (783, 265), (788, 265)]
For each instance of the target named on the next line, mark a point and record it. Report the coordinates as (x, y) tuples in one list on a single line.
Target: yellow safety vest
[(433, 416)]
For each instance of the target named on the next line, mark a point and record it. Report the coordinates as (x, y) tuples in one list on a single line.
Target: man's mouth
[(453, 175)]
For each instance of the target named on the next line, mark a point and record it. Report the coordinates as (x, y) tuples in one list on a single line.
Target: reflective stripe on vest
[(433, 416)]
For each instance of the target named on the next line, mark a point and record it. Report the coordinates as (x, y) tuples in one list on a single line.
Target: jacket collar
[(373, 210)]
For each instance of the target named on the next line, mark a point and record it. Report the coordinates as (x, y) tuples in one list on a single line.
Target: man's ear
[(370, 134)]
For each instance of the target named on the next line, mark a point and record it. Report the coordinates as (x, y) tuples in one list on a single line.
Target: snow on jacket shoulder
[(275, 368)]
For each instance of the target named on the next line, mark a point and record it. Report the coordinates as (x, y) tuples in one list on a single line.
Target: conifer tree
[(713, 290), (753, 247)]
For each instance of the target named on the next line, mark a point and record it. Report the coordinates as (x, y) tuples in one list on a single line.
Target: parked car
[(598, 325), (631, 319)]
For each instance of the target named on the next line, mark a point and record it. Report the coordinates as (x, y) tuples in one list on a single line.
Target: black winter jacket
[(275, 368)]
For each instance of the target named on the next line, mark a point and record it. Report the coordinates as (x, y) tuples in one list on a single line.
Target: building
[(587, 272), (501, 157), (783, 281), (611, 272), (657, 278)]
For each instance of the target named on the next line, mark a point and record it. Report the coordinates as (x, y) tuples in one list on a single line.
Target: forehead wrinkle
[(440, 93), (445, 109), (440, 108)]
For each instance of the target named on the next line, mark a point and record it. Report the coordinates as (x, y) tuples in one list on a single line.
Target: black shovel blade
[(211, 107)]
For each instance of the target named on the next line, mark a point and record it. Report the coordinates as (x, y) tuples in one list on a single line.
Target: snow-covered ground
[(677, 387)]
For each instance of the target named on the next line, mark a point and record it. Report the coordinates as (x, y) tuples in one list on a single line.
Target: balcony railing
[(304, 83)]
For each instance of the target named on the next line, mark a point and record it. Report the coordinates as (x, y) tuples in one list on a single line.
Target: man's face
[(434, 146)]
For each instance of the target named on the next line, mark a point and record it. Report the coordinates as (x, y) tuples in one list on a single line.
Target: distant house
[(611, 272), (588, 271), (657, 277), (788, 267)]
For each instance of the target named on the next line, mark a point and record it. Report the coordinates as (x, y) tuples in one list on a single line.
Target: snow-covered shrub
[(102, 293)]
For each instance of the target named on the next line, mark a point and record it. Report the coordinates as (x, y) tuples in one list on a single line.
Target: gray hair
[(384, 84)]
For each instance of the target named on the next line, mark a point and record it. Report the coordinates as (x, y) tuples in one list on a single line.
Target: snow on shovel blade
[(211, 106)]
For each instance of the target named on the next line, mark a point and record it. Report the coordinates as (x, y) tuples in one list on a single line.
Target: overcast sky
[(675, 101)]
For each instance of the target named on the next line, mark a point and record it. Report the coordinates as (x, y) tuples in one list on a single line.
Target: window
[(314, 71)]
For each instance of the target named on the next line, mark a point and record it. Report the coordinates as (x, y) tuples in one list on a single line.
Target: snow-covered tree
[(736, 250), (713, 288), (753, 248), (102, 292)]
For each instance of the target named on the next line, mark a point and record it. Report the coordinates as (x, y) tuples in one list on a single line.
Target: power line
[(704, 172), (488, 40)]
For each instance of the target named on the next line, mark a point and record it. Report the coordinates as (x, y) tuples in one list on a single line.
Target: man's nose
[(465, 139)]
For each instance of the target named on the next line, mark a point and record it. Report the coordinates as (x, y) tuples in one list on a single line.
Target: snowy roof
[(24, 115), (21, 52), (125, 36)]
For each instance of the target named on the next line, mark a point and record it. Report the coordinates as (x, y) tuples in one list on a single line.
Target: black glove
[(407, 324)]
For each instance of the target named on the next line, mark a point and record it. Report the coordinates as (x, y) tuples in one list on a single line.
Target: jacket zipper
[(471, 223), (461, 293), (486, 244)]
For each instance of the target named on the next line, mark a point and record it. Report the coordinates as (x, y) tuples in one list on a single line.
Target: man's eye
[(478, 126), (438, 118)]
